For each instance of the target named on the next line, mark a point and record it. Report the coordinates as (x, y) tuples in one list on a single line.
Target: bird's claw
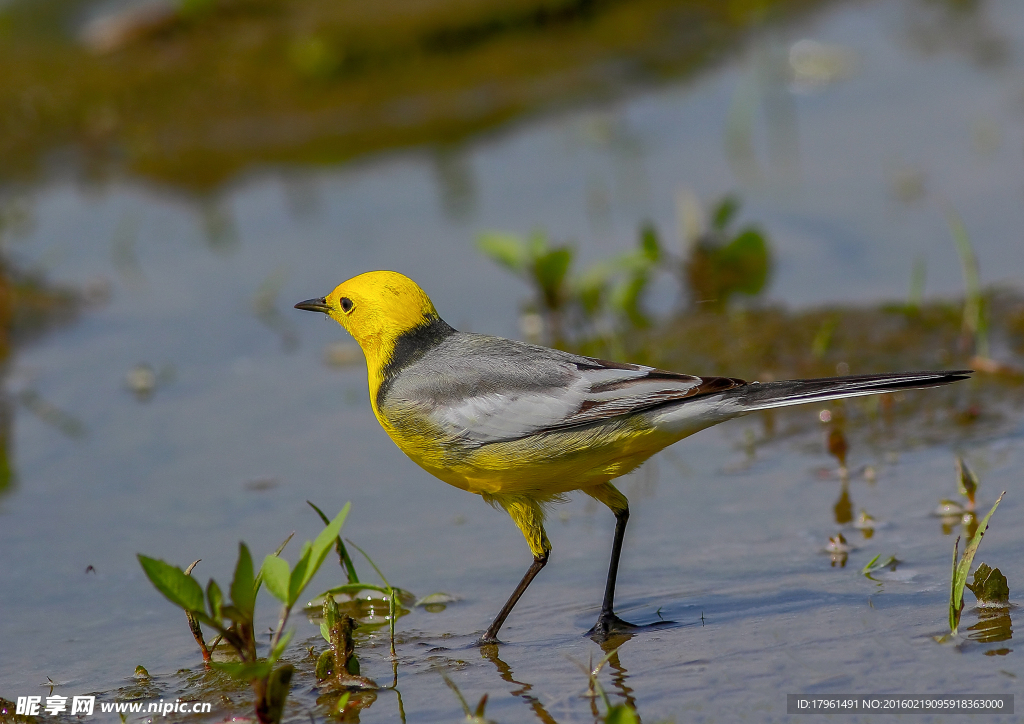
[(609, 625)]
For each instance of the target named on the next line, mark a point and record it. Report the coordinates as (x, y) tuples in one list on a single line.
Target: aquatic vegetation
[(338, 666), (580, 302), (233, 618), (337, 669), (961, 567), (990, 587), (967, 482), (476, 716), (955, 512), (606, 300), (721, 263), (614, 713), (875, 565), (975, 322)]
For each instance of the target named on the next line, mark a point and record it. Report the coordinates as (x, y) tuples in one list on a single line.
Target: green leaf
[(725, 212), (990, 586), (506, 249), (214, 598), (278, 686), (325, 631), (323, 542), (278, 650), (243, 585), (296, 582), (313, 554), (324, 664), (549, 272), (955, 607), (961, 568), (179, 588), (649, 245), (344, 559), (245, 671), (259, 574), (967, 481), (626, 299), (275, 574), (877, 565), (746, 261), (621, 714)]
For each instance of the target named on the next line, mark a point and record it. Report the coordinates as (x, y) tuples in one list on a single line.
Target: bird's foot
[(609, 625)]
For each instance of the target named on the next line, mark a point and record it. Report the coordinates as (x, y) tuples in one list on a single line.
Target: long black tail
[(765, 395)]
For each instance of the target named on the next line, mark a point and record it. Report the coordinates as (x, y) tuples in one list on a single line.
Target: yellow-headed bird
[(522, 425)]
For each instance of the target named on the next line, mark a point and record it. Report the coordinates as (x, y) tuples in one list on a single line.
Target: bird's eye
[(346, 305)]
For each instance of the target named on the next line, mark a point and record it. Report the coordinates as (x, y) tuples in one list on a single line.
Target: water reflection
[(490, 653), (843, 509), (431, 72), (958, 26), (610, 647), (994, 625), (456, 183), (29, 307)]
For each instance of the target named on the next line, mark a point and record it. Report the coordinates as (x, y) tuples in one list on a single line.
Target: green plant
[(476, 716), (961, 568), (613, 288), (721, 263), (717, 264), (975, 322), (875, 565), (354, 587), (614, 714), (967, 482), (990, 587), (233, 621)]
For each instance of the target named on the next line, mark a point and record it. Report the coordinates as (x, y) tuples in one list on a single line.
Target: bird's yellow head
[(376, 308)]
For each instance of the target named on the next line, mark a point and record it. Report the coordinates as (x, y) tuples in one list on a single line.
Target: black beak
[(314, 305)]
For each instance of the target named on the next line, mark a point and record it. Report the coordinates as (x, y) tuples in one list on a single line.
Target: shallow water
[(247, 422)]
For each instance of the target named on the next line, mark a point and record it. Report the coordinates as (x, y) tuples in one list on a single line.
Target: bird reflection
[(610, 646), (619, 677), (490, 652)]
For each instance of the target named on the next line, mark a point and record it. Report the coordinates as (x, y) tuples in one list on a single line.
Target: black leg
[(607, 621), (621, 518), (491, 635)]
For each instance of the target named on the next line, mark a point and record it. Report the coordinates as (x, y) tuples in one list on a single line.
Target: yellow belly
[(540, 466)]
